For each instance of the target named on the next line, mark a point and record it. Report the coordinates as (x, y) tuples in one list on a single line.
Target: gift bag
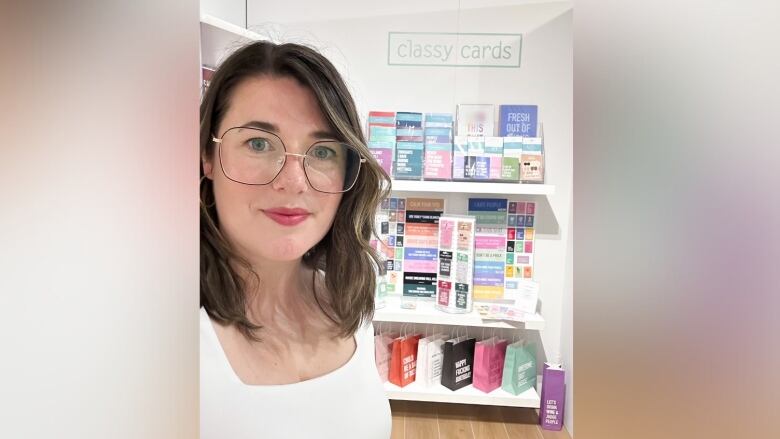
[(482, 364), (383, 344), (394, 374), (447, 364), (422, 346), (497, 364), (553, 397), (489, 364), (519, 368), (409, 359), (434, 354), (458, 362), (421, 373)]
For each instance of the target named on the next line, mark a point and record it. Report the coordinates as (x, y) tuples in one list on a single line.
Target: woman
[(288, 196)]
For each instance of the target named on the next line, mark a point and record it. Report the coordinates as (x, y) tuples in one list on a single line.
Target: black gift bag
[(458, 362)]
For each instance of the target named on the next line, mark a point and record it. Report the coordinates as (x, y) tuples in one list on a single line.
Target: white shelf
[(467, 395), (218, 38), (471, 187), (426, 313)]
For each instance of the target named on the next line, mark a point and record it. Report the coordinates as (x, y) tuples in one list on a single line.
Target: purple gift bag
[(553, 397)]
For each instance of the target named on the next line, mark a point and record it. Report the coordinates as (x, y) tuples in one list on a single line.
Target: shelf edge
[(229, 27)]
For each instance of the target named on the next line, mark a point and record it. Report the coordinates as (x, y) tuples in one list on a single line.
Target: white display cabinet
[(475, 188), (467, 395), (456, 194), (426, 313)]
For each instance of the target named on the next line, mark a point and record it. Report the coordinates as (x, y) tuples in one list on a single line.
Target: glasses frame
[(218, 141)]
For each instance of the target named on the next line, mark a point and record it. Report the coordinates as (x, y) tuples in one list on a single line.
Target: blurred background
[(673, 198)]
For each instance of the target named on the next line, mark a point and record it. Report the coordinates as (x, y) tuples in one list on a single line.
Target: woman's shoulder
[(206, 326), (203, 317)]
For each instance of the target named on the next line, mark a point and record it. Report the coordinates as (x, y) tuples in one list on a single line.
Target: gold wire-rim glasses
[(304, 156)]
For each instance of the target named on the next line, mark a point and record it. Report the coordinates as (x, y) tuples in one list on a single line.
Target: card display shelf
[(470, 187), (426, 313), (467, 395)]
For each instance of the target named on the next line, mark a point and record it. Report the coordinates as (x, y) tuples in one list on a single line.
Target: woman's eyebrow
[(267, 126), (323, 135), (262, 125)]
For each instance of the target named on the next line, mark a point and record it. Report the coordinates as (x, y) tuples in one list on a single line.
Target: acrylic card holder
[(455, 263)]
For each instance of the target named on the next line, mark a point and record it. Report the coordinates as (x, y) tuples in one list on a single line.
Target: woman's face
[(282, 220)]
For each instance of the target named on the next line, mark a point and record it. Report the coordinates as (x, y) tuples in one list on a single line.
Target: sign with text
[(453, 49)]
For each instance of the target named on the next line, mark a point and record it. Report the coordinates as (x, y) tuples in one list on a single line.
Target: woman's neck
[(284, 299)]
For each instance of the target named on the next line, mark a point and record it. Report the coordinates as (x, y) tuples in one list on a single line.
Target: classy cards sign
[(453, 49)]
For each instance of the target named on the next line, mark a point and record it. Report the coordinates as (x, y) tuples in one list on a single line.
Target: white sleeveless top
[(348, 402)]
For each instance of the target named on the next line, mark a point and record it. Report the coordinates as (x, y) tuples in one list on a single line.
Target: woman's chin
[(286, 251)]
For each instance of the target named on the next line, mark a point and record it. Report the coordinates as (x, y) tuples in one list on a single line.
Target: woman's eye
[(259, 144), (323, 153)]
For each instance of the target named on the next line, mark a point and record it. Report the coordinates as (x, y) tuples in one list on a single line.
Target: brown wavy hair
[(344, 254)]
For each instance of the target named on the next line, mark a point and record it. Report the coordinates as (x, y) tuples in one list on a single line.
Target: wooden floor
[(430, 420)]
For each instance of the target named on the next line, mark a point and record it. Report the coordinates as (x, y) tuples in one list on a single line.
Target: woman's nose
[(292, 177)]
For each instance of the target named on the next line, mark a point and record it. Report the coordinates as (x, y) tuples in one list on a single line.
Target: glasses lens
[(332, 166), (251, 156)]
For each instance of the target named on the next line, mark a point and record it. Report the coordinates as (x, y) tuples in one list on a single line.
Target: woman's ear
[(208, 167)]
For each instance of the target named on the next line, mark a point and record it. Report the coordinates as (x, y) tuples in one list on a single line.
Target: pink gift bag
[(489, 364), (382, 348)]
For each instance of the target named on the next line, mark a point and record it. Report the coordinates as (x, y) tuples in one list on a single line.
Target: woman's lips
[(287, 217)]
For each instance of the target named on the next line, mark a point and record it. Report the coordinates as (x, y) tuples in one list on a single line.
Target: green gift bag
[(519, 368)]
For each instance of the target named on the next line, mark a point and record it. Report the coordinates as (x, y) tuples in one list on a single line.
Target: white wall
[(358, 47), (233, 11), (299, 12), (567, 332)]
